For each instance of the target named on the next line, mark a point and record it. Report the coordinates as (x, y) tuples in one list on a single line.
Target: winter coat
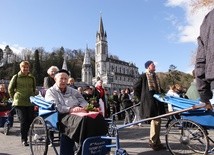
[(20, 88), (126, 102), (149, 106), (204, 65), (64, 101), (48, 82)]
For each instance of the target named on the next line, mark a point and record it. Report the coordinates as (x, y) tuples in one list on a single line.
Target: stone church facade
[(116, 74), (6, 56)]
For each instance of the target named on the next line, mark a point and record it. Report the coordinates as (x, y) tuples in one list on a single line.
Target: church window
[(112, 68), (98, 48), (103, 50)]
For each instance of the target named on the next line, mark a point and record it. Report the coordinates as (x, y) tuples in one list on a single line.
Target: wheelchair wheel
[(112, 130), (38, 137), (121, 152), (6, 128), (186, 137)]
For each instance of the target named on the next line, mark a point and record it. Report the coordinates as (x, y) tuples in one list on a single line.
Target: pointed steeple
[(101, 28), (101, 34), (64, 66), (87, 68), (87, 59)]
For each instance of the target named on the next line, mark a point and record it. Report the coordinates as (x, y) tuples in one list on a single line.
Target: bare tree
[(26, 54), (196, 4)]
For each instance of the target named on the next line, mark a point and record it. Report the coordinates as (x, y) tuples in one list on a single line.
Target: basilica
[(116, 74)]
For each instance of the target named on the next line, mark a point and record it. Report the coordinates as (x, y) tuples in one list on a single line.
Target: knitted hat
[(148, 63)]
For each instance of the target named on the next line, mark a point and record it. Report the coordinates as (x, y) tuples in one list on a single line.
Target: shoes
[(133, 126), (140, 125), (157, 147), (25, 143), (50, 145)]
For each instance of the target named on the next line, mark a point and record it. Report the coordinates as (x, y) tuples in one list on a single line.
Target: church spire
[(101, 34), (101, 28), (87, 68), (64, 66), (87, 59)]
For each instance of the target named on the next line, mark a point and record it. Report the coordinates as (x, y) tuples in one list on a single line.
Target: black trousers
[(25, 115), (77, 129)]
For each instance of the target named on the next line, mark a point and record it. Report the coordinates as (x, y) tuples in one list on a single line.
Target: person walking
[(21, 87), (204, 65), (148, 85), (116, 103), (126, 103), (136, 110)]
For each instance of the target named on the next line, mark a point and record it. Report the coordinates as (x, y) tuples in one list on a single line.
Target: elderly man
[(148, 85), (69, 103), (67, 99)]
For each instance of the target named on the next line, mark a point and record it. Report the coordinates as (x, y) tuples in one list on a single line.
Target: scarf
[(153, 82), (100, 90)]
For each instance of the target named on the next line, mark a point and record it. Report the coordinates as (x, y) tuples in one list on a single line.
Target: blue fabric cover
[(200, 116)]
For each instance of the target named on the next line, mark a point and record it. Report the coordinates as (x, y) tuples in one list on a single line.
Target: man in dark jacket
[(204, 67), (148, 85)]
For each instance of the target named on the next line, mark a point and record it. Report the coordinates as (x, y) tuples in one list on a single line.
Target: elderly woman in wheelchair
[(76, 124)]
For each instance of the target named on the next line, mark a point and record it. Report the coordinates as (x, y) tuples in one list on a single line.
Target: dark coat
[(204, 65), (48, 82), (150, 106), (97, 95), (116, 100), (126, 102)]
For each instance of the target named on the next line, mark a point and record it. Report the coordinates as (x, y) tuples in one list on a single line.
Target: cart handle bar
[(198, 106)]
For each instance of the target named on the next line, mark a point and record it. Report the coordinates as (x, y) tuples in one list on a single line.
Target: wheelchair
[(44, 127), (47, 122)]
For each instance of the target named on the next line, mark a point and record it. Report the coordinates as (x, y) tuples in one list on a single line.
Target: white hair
[(52, 68)]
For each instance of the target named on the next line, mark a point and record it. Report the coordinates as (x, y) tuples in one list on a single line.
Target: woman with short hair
[(21, 87)]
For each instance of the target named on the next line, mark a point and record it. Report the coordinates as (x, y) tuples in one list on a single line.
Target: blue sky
[(164, 31)]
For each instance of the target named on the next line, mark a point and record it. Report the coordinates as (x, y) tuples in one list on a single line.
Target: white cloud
[(15, 48), (189, 30), (175, 2)]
